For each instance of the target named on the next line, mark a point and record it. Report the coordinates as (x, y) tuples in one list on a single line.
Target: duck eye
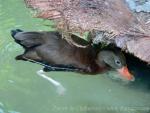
[(118, 62)]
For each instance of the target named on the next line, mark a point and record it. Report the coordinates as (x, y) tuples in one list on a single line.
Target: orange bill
[(124, 72)]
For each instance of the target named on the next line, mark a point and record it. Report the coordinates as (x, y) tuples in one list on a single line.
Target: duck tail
[(27, 39), (14, 32)]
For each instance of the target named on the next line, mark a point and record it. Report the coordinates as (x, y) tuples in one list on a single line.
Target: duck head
[(116, 60)]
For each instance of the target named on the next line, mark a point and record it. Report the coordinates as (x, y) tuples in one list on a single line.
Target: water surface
[(23, 91)]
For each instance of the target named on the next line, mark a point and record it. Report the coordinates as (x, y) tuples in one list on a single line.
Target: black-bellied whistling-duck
[(50, 49)]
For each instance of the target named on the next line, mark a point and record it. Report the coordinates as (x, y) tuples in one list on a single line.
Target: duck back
[(52, 49)]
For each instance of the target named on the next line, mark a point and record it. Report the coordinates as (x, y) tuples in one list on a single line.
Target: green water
[(23, 91)]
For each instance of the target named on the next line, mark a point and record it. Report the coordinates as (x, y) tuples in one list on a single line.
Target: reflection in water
[(3, 109), (59, 87), (23, 91)]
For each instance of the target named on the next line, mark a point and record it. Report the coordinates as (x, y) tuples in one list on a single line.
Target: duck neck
[(98, 65), (100, 60)]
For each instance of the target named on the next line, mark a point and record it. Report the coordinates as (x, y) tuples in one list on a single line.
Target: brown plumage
[(49, 48)]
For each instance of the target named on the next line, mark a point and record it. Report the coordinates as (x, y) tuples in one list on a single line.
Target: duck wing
[(35, 43), (27, 39)]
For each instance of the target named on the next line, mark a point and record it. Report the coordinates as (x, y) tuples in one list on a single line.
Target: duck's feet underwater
[(59, 87)]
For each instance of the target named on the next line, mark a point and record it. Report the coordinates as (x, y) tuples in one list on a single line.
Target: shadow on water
[(141, 71)]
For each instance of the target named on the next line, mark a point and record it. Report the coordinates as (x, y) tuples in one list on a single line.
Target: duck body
[(50, 48), (56, 54)]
